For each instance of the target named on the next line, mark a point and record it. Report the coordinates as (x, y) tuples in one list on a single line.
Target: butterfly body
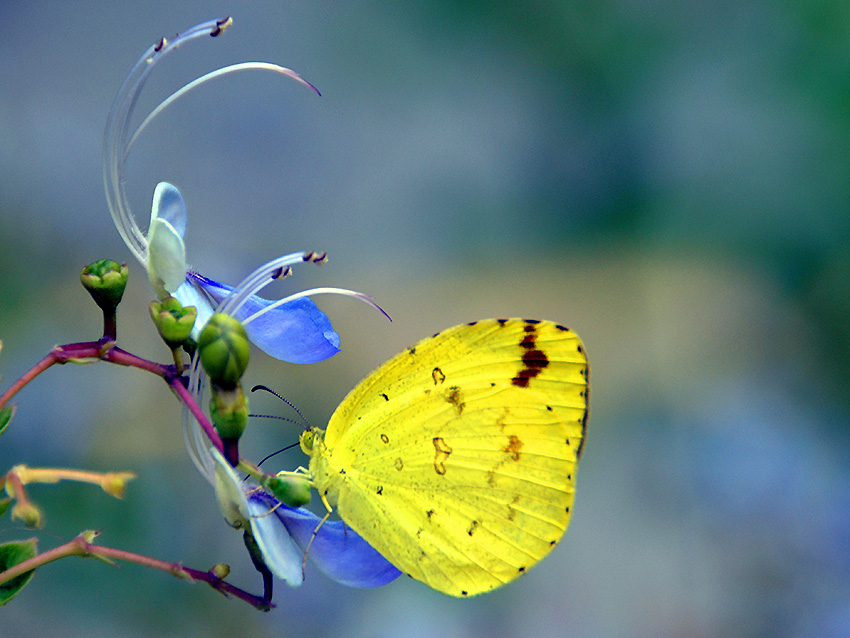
[(457, 458)]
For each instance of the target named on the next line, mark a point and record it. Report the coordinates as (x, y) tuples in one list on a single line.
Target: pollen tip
[(221, 26)]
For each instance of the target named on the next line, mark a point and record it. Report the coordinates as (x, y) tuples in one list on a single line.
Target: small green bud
[(229, 411), (224, 349), (173, 322), (105, 280), (290, 490)]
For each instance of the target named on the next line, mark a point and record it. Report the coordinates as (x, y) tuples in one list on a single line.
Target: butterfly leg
[(298, 471), (312, 538)]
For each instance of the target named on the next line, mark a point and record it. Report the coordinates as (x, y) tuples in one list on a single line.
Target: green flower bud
[(105, 280), (173, 321), (290, 490), (229, 411), (224, 349)]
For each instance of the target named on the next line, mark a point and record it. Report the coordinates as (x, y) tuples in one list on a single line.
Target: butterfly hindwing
[(456, 459)]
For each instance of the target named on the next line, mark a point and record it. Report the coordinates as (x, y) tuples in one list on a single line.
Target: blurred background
[(671, 180)]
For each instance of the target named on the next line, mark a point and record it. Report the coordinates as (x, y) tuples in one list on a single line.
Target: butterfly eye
[(306, 440)]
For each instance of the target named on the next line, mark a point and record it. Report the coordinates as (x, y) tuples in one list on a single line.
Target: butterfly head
[(312, 440)]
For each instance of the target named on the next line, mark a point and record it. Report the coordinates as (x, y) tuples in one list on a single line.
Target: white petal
[(280, 553), (228, 492), (166, 250)]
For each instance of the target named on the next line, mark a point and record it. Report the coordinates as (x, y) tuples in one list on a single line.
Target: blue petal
[(297, 332), (337, 550)]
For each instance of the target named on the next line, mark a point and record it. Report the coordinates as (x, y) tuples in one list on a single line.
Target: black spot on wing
[(534, 360)]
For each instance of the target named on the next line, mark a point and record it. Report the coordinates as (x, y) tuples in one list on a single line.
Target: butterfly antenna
[(286, 401), (274, 416), (288, 447)]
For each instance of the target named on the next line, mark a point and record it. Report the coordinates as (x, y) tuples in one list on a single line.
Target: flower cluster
[(214, 323), (291, 329)]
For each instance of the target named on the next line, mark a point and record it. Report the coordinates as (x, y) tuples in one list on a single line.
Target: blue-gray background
[(669, 179)]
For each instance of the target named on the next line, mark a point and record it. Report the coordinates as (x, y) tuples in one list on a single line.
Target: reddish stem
[(180, 390), (106, 350), (80, 547), (31, 374)]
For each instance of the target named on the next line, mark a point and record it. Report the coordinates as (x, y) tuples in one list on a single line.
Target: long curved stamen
[(233, 68), (193, 435), (116, 145), (359, 296), (117, 126), (257, 280), (196, 443)]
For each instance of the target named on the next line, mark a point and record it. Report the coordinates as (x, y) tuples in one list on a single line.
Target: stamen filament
[(233, 68), (359, 296), (117, 127)]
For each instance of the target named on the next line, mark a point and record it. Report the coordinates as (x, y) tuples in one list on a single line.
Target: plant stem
[(31, 374), (105, 350), (79, 546), (180, 390)]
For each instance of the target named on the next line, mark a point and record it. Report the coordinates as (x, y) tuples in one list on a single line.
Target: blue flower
[(283, 535), (292, 329), (295, 330)]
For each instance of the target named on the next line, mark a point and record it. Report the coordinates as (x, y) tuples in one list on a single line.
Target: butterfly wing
[(458, 456)]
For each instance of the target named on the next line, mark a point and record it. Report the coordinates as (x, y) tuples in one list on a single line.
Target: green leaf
[(10, 555), (4, 505), (6, 415)]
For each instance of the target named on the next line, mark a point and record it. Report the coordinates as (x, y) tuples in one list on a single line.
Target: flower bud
[(221, 570), (105, 280), (173, 321), (224, 349), (28, 513), (115, 483), (290, 490), (229, 411)]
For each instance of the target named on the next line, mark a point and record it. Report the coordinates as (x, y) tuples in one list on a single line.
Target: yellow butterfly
[(457, 458)]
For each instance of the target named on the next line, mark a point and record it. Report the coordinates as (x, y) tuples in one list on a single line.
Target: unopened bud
[(229, 411), (173, 321), (115, 483), (105, 280), (224, 349), (290, 490), (221, 570), (28, 513)]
